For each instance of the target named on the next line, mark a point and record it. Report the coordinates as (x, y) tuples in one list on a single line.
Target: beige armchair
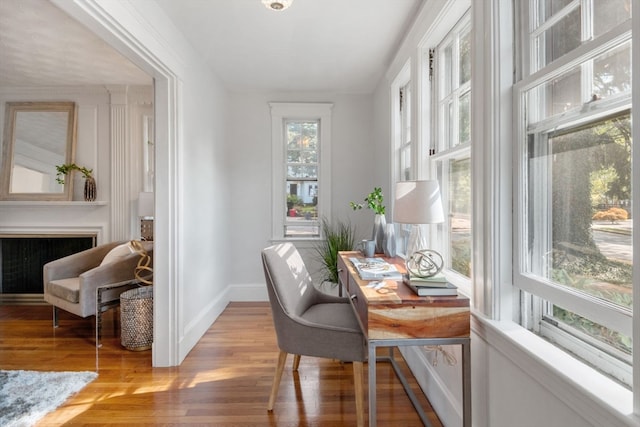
[(71, 283)]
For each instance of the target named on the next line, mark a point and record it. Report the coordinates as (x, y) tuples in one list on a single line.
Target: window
[(301, 141), (450, 153), (405, 168), (574, 192)]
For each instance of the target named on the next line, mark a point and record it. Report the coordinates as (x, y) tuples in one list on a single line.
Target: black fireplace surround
[(22, 258)]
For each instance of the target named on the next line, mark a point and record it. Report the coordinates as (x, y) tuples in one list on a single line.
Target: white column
[(119, 164)]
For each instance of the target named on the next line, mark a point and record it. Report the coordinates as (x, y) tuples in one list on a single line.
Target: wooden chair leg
[(296, 362), (358, 377), (282, 358)]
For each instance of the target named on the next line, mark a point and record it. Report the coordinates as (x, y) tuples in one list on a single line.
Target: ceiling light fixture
[(277, 4)]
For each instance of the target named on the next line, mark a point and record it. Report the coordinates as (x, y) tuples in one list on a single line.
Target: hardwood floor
[(224, 381)]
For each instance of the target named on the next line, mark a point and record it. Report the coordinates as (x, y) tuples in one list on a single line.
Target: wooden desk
[(402, 318)]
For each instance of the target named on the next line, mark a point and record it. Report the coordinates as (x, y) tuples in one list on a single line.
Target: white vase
[(390, 241), (379, 226)]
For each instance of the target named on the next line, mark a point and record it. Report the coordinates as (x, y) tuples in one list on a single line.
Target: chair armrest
[(75, 264)]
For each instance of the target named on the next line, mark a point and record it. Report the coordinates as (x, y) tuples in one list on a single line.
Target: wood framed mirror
[(38, 136)]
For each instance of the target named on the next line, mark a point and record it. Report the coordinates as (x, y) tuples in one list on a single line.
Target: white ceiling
[(42, 46), (315, 45)]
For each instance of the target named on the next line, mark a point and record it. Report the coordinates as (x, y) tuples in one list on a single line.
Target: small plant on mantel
[(63, 170)]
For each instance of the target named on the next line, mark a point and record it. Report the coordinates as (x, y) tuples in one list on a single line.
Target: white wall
[(353, 169)]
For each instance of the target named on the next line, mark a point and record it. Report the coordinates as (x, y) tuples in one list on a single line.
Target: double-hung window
[(450, 151), (301, 141), (573, 247)]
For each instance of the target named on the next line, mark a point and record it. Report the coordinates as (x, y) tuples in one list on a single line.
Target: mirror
[(37, 137)]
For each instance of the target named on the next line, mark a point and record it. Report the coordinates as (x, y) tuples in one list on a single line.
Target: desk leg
[(372, 385), (466, 383)]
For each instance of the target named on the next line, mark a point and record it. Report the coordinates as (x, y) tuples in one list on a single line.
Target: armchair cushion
[(66, 289)]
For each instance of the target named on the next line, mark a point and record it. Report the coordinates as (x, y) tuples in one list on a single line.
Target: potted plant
[(89, 183), (375, 202), (337, 237)]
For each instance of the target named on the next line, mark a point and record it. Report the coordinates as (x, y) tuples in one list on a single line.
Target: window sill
[(579, 386)]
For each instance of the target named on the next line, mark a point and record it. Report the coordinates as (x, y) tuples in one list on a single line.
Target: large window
[(574, 193), (301, 178), (450, 152)]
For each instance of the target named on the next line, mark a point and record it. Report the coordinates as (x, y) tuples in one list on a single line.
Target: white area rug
[(27, 396)]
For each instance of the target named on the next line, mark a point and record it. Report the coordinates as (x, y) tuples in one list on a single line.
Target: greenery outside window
[(301, 141), (573, 230)]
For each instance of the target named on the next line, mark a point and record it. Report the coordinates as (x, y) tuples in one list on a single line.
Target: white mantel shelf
[(48, 204)]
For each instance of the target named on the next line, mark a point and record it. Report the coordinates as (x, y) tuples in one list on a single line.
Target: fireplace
[(23, 256)]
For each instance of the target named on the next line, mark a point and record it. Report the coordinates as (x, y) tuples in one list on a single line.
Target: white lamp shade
[(418, 202), (145, 204)]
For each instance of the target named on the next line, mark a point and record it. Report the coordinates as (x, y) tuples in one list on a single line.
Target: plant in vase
[(375, 202), (337, 237), (89, 183)]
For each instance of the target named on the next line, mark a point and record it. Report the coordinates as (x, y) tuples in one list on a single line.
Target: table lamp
[(146, 214), (417, 203)]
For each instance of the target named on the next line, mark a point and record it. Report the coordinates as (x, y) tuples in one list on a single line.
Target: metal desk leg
[(466, 383), (372, 385)]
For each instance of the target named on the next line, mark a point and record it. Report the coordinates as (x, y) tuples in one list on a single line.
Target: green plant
[(337, 237), (63, 170), (373, 201)]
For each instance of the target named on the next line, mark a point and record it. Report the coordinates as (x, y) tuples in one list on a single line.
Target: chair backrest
[(290, 285)]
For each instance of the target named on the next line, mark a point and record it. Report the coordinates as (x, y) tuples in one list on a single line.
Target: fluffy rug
[(26, 396)]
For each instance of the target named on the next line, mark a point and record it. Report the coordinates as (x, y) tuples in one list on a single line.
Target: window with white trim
[(450, 152), (405, 167), (301, 141), (572, 236)]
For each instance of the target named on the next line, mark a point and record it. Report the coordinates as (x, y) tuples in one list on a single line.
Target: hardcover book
[(424, 291), (433, 281)]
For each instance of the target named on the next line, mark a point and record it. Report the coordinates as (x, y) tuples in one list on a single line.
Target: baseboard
[(194, 331), (248, 292), (444, 403)]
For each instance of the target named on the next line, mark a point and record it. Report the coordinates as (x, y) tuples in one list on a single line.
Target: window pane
[(447, 71), (593, 329), (302, 209), (608, 14), (465, 57), (548, 8), (560, 39), (460, 215), (556, 96), (579, 198), (612, 72), (464, 118)]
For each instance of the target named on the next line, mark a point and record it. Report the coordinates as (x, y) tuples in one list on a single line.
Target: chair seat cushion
[(338, 315), (66, 289)]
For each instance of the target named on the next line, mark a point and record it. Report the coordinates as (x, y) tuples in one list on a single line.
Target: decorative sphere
[(425, 263)]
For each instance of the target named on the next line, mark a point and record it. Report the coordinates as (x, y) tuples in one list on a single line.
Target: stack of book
[(375, 269), (430, 286)]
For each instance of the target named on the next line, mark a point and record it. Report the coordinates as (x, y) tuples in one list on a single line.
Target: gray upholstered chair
[(309, 322), (70, 283)]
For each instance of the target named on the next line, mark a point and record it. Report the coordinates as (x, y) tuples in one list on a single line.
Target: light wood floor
[(225, 380)]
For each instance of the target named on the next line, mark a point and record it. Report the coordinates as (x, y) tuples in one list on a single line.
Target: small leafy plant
[(373, 201), (63, 170)]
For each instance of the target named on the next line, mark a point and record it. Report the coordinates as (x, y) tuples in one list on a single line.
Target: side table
[(108, 296)]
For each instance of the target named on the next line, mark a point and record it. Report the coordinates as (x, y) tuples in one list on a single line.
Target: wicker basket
[(136, 318)]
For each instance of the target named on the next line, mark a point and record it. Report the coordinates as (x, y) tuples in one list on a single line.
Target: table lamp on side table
[(417, 203)]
